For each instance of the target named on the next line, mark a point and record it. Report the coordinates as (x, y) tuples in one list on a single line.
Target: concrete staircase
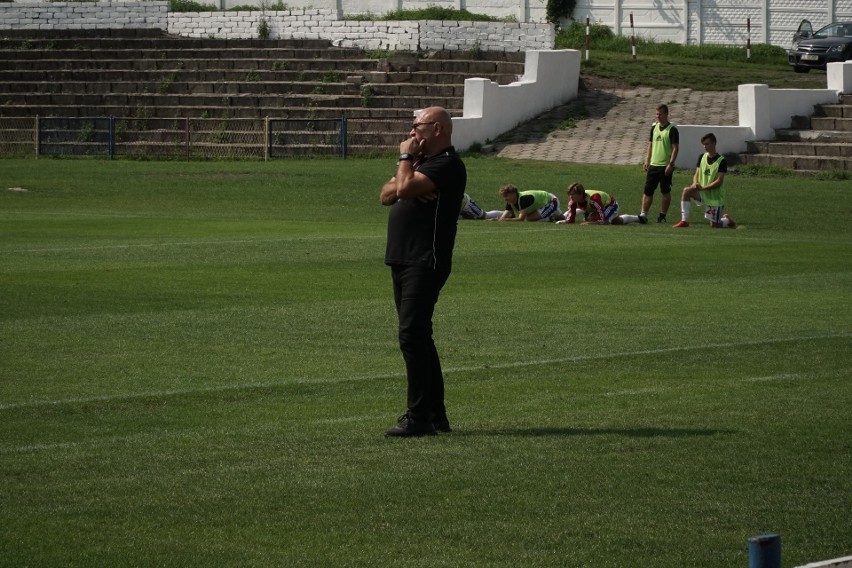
[(812, 143), (147, 75)]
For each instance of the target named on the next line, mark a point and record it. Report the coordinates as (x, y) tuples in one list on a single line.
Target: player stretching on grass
[(597, 207), (471, 210), (528, 205), (707, 188)]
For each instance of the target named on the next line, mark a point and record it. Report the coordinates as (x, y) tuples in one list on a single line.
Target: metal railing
[(191, 138)]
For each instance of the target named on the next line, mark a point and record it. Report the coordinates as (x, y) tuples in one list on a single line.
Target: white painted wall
[(111, 14), (551, 78), (761, 111), (411, 35), (679, 21), (839, 77), (313, 23)]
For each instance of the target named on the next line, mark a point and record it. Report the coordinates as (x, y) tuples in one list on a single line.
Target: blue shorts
[(549, 210)]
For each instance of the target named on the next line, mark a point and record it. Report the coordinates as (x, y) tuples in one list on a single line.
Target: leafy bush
[(430, 13), (557, 10), (574, 36), (263, 28), (278, 6), (191, 6), (833, 175)]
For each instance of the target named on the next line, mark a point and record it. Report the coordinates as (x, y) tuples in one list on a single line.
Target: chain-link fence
[(17, 137), (199, 138)]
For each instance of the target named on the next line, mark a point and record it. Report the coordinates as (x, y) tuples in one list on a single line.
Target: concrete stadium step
[(145, 75), (830, 117), (25, 40), (208, 63), (283, 88), (15, 90), (799, 163), (184, 54), (436, 72), (822, 141), (194, 101), (814, 136), (223, 112), (104, 81)]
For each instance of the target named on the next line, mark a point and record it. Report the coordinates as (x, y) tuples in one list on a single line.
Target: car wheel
[(798, 69)]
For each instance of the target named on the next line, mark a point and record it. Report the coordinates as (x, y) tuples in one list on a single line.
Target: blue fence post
[(269, 126), (111, 137), (764, 551), (343, 136)]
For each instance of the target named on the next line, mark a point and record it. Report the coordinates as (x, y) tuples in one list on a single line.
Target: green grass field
[(198, 360)]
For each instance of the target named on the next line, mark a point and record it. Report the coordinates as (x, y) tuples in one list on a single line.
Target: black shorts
[(657, 176)]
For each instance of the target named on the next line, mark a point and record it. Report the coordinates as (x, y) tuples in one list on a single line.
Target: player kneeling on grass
[(470, 210), (597, 207), (707, 189)]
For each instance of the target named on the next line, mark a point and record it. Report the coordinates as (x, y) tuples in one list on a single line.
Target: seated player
[(707, 189)]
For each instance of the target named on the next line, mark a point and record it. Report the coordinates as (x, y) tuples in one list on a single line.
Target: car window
[(805, 28), (832, 30)]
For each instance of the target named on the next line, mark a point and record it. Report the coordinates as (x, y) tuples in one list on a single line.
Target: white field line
[(185, 244), (769, 378), (379, 376)]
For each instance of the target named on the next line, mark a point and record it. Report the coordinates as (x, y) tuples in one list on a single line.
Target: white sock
[(629, 219), (493, 214), (684, 211)]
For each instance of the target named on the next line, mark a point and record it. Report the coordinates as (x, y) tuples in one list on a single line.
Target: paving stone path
[(611, 125)]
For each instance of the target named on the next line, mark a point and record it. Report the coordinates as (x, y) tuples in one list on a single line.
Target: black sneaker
[(408, 428), (441, 423), (643, 219), (661, 218)]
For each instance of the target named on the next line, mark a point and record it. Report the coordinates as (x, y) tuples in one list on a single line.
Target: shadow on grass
[(567, 431)]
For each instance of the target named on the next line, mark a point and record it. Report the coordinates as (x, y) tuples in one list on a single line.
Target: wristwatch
[(406, 157)]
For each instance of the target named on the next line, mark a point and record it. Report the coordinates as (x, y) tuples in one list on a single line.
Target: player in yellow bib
[(529, 205), (663, 146), (707, 189)]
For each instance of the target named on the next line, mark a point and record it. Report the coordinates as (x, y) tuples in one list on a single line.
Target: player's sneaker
[(731, 224), (680, 225), (643, 219), (562, 222), (661, 218)]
